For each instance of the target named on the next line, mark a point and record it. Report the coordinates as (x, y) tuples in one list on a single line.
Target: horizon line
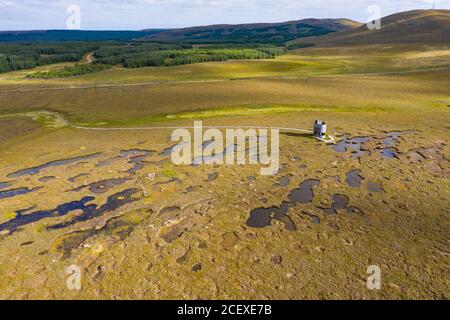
[(205, 25)]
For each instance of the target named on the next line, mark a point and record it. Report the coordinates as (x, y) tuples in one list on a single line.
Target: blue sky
[(141, 14)]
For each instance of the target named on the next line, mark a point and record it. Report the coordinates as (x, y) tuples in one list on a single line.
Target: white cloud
[(4, 3)]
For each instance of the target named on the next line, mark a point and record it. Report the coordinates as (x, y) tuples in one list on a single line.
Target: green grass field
[(112, 105), (297, 63)]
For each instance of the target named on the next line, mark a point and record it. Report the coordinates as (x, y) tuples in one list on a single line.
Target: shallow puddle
[(16, 192), (172, 180), (213, 176), (356, 144), (388, 153), (352, 144), (215, 157), (108, 162), (75, 178), (4, 185), (354, 178), (341, 202), (168, 151), (212, 157), (393, 136), (135, 157), (103, 186), (374, 187), (284, 181), (57, 163)]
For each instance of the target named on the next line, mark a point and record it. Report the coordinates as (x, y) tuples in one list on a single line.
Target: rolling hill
[(418, 26), (255, 33), (72, 35)]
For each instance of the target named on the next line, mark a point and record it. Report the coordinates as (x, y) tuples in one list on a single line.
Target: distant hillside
[(255, 33), (72, 35), (418, 26)]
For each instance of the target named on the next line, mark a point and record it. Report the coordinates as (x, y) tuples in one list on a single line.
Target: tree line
[(76, 70), (26, 56), (187, 56), (130, 55)]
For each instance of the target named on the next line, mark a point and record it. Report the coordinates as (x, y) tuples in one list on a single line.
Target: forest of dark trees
[(130, 55), (171, 57), (26, 56)]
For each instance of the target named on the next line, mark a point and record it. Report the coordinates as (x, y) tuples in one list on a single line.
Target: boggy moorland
[(76, 191)]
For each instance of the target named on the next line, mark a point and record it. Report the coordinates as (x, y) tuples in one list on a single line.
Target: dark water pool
[(341, 202), (135, 157), (304, 193), (4, 185), (392, 137), (352, 144), (213, 176), (16, 192), (262, 217), (354, 178), (374, 187), (388, 153), (88, 211), (22, 219), (102, 186), (114, 202), (356, 144), (284, 181), (75, 178)]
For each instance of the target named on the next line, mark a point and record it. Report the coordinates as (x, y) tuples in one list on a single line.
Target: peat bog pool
[(4, 185), (57, 163), (259, 217), (354, 178), (341, 202), (16, 192), (262, 217), (100, 187), (88, 211), (387, 145)]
